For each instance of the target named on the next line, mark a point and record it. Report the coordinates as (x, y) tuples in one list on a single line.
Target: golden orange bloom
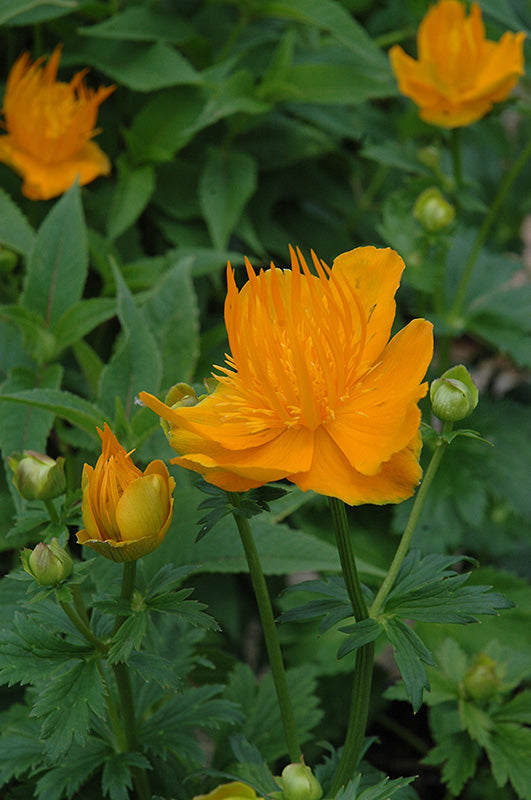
[(313, 390), (49, 128), (126, 512), (235, 790), (459, 74)]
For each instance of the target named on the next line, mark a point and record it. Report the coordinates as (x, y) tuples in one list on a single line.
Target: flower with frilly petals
[(126, 512), (313, 390), (235, 790), (50, 125), (459, 74)]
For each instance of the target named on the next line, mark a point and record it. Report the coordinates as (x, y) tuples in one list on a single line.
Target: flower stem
[(485, 228), (270, 633), (361, 690), (123, 683), (82, 626), (457, 156), (52, 512), (414, 516)]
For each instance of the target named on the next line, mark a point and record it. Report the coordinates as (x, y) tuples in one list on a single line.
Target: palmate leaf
[(459, 755), (509, 752), (410, 654), (116, 778), (68, 775), (64, 705), (20, 744)]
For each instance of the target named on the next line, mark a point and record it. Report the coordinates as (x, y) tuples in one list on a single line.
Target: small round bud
[(482, 681), (299, 783), (47, 563), (181, 394), (432, 211), (37, 476), (454, 395), (430, 156)]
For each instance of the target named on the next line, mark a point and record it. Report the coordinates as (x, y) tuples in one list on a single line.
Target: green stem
[(82, 626), (52, 512), (409, 530), (361, 690), (457, 156), (485, 228), (125, 693), (270, 633)]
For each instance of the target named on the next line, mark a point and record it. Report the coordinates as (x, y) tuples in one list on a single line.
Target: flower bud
[(430, 156), (181, 394), (432, 210), (454, 395), (47, 563), (299, 783), (37, 476), (482, 681)]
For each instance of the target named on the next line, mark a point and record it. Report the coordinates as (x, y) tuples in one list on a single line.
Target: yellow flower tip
[(459, 74), (126, 513), (235, 790), (50, 126), (313, 390)]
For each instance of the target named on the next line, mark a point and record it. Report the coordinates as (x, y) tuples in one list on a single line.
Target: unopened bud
[(37, 476), (299, 783), (47, 563), (180, 395), (430, 156), (433, 211), (454, 395), (482, 681)]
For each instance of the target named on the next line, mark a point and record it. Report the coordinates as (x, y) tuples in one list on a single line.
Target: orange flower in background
[(459, 74), (313, 390), (126, 512), (49, 128)]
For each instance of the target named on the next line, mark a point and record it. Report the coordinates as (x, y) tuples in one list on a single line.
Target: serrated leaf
[(362, 632), (136, 363), (64, 704), (20, 748), (385, 788), (128, 637), (476, 721), (116, 778), (68, 775), (58, 263), (152, 667), (509, 752), (517, 709), (459, 755), (410, 655)]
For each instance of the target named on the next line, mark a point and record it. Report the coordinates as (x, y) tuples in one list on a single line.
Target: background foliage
[(235, 129)]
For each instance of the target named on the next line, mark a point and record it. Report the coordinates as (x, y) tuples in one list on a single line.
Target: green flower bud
[(454, 395), (181, 394), (299, 783), (430, 156), (47, 563), (37, 476), (432, 210), (481, 681)]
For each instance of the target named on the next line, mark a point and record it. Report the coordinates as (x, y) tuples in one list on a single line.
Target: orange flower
[(49, 128), (459, 74), (126, 513), (314, 391)]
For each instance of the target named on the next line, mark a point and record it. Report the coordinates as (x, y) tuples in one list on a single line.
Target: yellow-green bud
[(37, 476), (181, 394), (433, 211), (481, 680), (454, 395), (299, 783), (47, 563), (430, 156)]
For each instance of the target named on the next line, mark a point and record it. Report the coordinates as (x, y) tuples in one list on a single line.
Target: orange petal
[(332, 475)]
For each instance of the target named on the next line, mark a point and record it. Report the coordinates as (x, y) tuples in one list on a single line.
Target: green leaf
[(384, 789), (518, 709), (141, 24), (141, 66), (69, 774), (136, 363), (476, 721), (81, 318), (228, 180), (38, 340), (509, 753), (259, 705), (15, 231), (459, 755), (151, 667), (20, 745), (165, 124), (334, 18), (30, 12), (333, 77), (128, 637), (58, 263), (62, 404), (116, 779), (131, 195), (410, 654), (172, 313), (363, 632), (64, 705), (502, 318)]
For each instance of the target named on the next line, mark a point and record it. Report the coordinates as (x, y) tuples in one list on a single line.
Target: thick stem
[(457, 156), (52, 512), (265, 610), (409, 530), (361, 690), (485, 228), (82, 627)]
